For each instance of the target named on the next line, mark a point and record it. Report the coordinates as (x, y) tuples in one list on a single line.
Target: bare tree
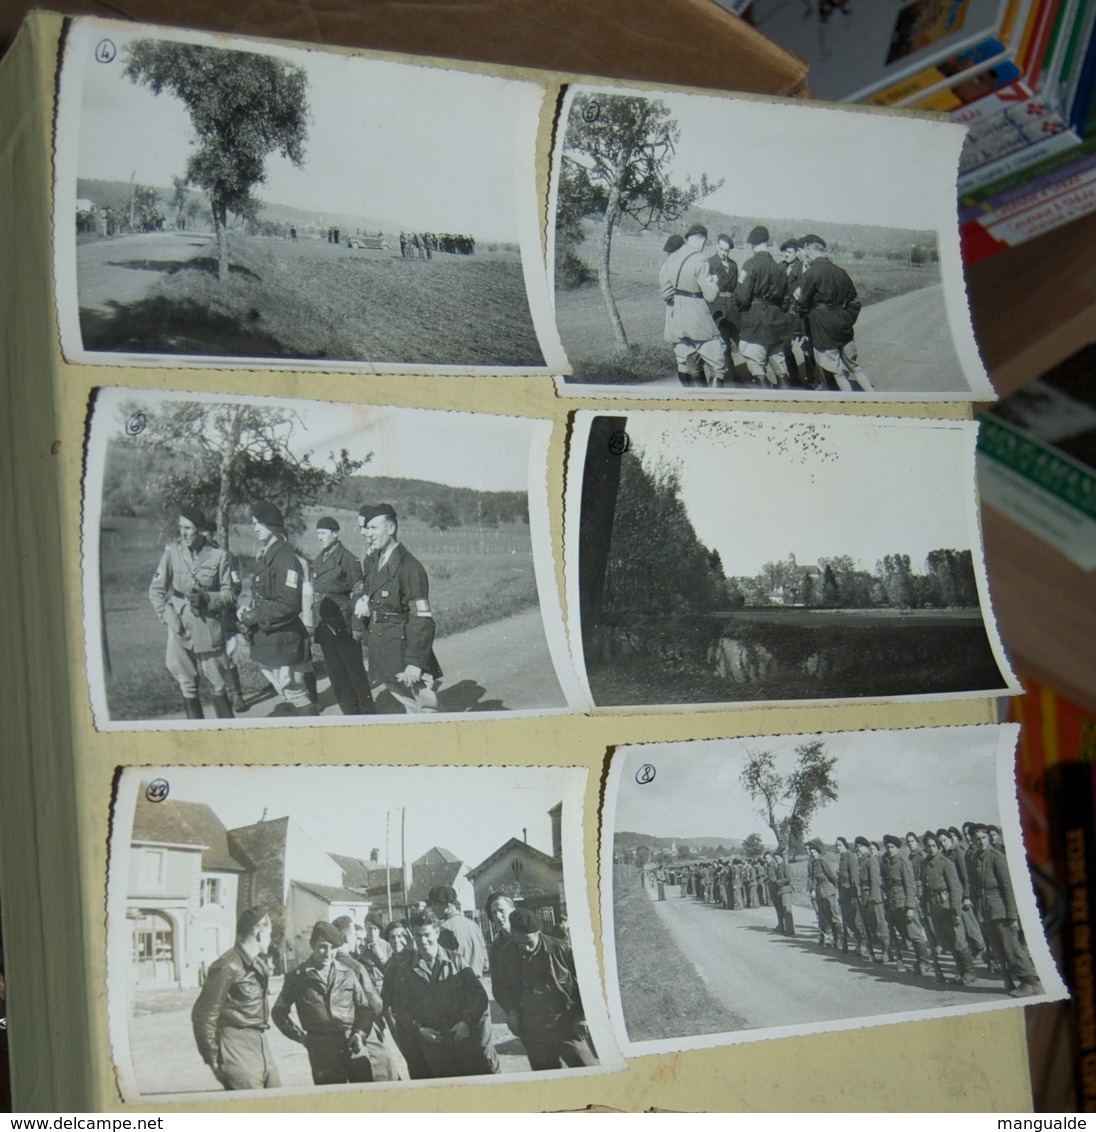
[(789, 801)]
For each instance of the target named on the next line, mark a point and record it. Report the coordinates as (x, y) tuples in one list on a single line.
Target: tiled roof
[(211, 830), (261, 843), (332, 893), (515, 843)]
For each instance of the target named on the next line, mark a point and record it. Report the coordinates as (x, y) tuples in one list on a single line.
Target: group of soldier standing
[(402, 1001), (375, 611), (788, 313), (942, 892)]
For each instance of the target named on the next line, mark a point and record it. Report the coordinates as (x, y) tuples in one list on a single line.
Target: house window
[(152, 868), (211, 890)]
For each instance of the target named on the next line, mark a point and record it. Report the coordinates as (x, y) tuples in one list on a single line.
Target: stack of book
[(1020, 74)]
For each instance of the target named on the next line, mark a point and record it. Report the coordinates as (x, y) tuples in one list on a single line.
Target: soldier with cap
[(826, 297), (764, 326), (943, 896), (335, 1011), (231, 1014), (498, 909), (278, 638), (536, 984), (456, 931), (871, 900), (441, 1003), (336, 573), (190, 592), (394, 598), (687, 286), (823, 882), (903, 906)]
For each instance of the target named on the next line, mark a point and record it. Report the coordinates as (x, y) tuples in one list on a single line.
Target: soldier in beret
[(536, 984), (764, 326), (279, 640), (335, 1011), (336, 573), (190, 591), (394, 600)]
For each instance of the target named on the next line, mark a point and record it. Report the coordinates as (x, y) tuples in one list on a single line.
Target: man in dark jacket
[(279, 642), (764, 326), (536, 984), (1001, 917), (336, 573), (823, 886), (826, 297), (231, 1014)]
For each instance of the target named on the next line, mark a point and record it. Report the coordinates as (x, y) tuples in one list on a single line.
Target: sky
[(760, 486), (470, 811), (421, 148), (889, 782), (803, 161), (474, 450)]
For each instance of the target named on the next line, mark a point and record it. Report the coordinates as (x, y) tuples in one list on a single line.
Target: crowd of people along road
[(378, 609), (925, 897), (788, 313), (405, 1000)]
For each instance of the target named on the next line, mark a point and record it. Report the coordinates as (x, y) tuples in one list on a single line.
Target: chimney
[(374, 856), (556, 814)]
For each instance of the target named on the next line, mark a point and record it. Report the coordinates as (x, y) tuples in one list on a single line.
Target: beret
[(442, 894), (697, 230), (326, 523), (673, 243), (758, 235), (524, 920), (268, 514), (193, 515), (814, 240), (891, 839), (249, 917), (328, 933), (372, 510)]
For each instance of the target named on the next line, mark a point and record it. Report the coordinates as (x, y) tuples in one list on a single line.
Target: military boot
[(193, 707), (232, 677), (221, 707)]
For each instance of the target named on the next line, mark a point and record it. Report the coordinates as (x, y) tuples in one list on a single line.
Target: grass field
[(311, 299), (476, 575), (660, 992), (636, 258), (799, 655)]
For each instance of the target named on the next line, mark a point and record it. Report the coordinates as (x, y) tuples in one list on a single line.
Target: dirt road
[(125, 269), (773, 980)]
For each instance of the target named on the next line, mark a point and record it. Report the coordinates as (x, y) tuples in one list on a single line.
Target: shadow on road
[(467, 695), (206, 264), (160, 326)]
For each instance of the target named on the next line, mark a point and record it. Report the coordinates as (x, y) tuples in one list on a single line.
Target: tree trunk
[(612, 210), (224, 498), (220, 226)]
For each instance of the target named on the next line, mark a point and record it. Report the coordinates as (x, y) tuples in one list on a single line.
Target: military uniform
[(230, 1019), (687, 288), (848, 896), (336, 574), (196, 635), (763, 325), (401, 625), (460, 934), (335, 1012), (943, 895), (903, 910), (539, 992), (279, 642), (437, 994), (871, 904), (823, 881), (827, 298), (1002, 920)]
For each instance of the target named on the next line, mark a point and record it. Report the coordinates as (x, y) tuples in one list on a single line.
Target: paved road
[(125, 269), (772, 980)]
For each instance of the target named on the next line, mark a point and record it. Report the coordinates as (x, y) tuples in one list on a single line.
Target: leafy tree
[(789, 801), (753, 846), (220, 455), (444, 516), (180, 196), (145, 204), (243, 107), (894, 572), (615, 164)]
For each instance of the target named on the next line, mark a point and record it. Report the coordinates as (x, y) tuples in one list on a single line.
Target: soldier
[(687, 287), (336, 573), (871, 901), (231, 1014), (498, 909), (395, 598), (950, 842), (442, 1004), (1002, 919), (456, 932), (764, 326), (536, 984), (770, 888), (823, 882), (782, 889), (724, 271), (279, 642), (943, 895), (335, 1011), (848, 895), (190, 591), (826, 297), (903, 911)]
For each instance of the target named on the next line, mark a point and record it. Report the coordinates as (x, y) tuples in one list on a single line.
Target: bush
[(572, 272)]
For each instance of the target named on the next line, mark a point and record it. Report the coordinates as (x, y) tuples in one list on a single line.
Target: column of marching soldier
[(377, 608), (931, 896), (397, 1001)]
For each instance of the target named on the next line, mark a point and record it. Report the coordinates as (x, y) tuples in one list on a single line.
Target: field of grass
[(636, 258), (815, 654), (318, 300), (477, 575), (660, 993)]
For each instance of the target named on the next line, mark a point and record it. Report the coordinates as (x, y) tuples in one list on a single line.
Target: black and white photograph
[(233, 201), (258, 561), (730, 247), (372, 927), (716, 560), (768, 886)]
